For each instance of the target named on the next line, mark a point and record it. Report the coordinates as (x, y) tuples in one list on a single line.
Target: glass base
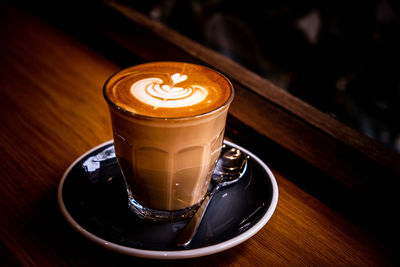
[(160, 215)]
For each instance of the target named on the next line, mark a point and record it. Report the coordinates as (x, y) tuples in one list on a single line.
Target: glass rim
[(148, 117)]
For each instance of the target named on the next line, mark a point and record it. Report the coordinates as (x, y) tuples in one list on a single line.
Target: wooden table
[(52, 111)]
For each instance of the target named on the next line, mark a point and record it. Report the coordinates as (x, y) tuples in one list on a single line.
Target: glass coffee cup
[(168, 121)]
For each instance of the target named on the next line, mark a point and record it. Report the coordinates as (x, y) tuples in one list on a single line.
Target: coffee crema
[(168, 90)]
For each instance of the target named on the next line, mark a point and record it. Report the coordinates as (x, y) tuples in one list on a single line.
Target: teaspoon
[(228, 170)]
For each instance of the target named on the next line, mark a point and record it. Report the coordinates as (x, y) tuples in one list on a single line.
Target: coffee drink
[(168, 124)]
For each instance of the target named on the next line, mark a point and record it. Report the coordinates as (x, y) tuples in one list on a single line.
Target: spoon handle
[(187, 234)]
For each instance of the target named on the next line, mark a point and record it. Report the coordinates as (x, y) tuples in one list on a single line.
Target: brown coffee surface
[(168, 89)]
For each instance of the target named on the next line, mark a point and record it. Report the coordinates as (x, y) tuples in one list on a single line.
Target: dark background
[(340, 56)]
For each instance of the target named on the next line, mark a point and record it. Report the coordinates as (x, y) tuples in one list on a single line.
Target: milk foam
[(168, 90), (161, 94)]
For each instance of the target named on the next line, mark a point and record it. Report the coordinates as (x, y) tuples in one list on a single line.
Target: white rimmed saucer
[(92, 198)]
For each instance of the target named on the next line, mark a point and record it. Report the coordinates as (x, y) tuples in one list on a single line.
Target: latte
[(168, 123)]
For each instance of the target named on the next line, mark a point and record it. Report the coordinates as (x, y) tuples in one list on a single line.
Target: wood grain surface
[(52, 110)]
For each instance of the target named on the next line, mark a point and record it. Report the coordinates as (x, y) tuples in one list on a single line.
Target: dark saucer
[(92, 197)]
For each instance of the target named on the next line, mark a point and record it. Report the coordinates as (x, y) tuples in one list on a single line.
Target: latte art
[(157, 93), (168, 90)]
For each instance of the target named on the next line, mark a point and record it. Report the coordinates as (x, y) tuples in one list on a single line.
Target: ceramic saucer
[(92, 198)]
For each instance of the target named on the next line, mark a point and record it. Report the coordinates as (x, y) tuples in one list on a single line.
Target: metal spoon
[(228, 170)]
